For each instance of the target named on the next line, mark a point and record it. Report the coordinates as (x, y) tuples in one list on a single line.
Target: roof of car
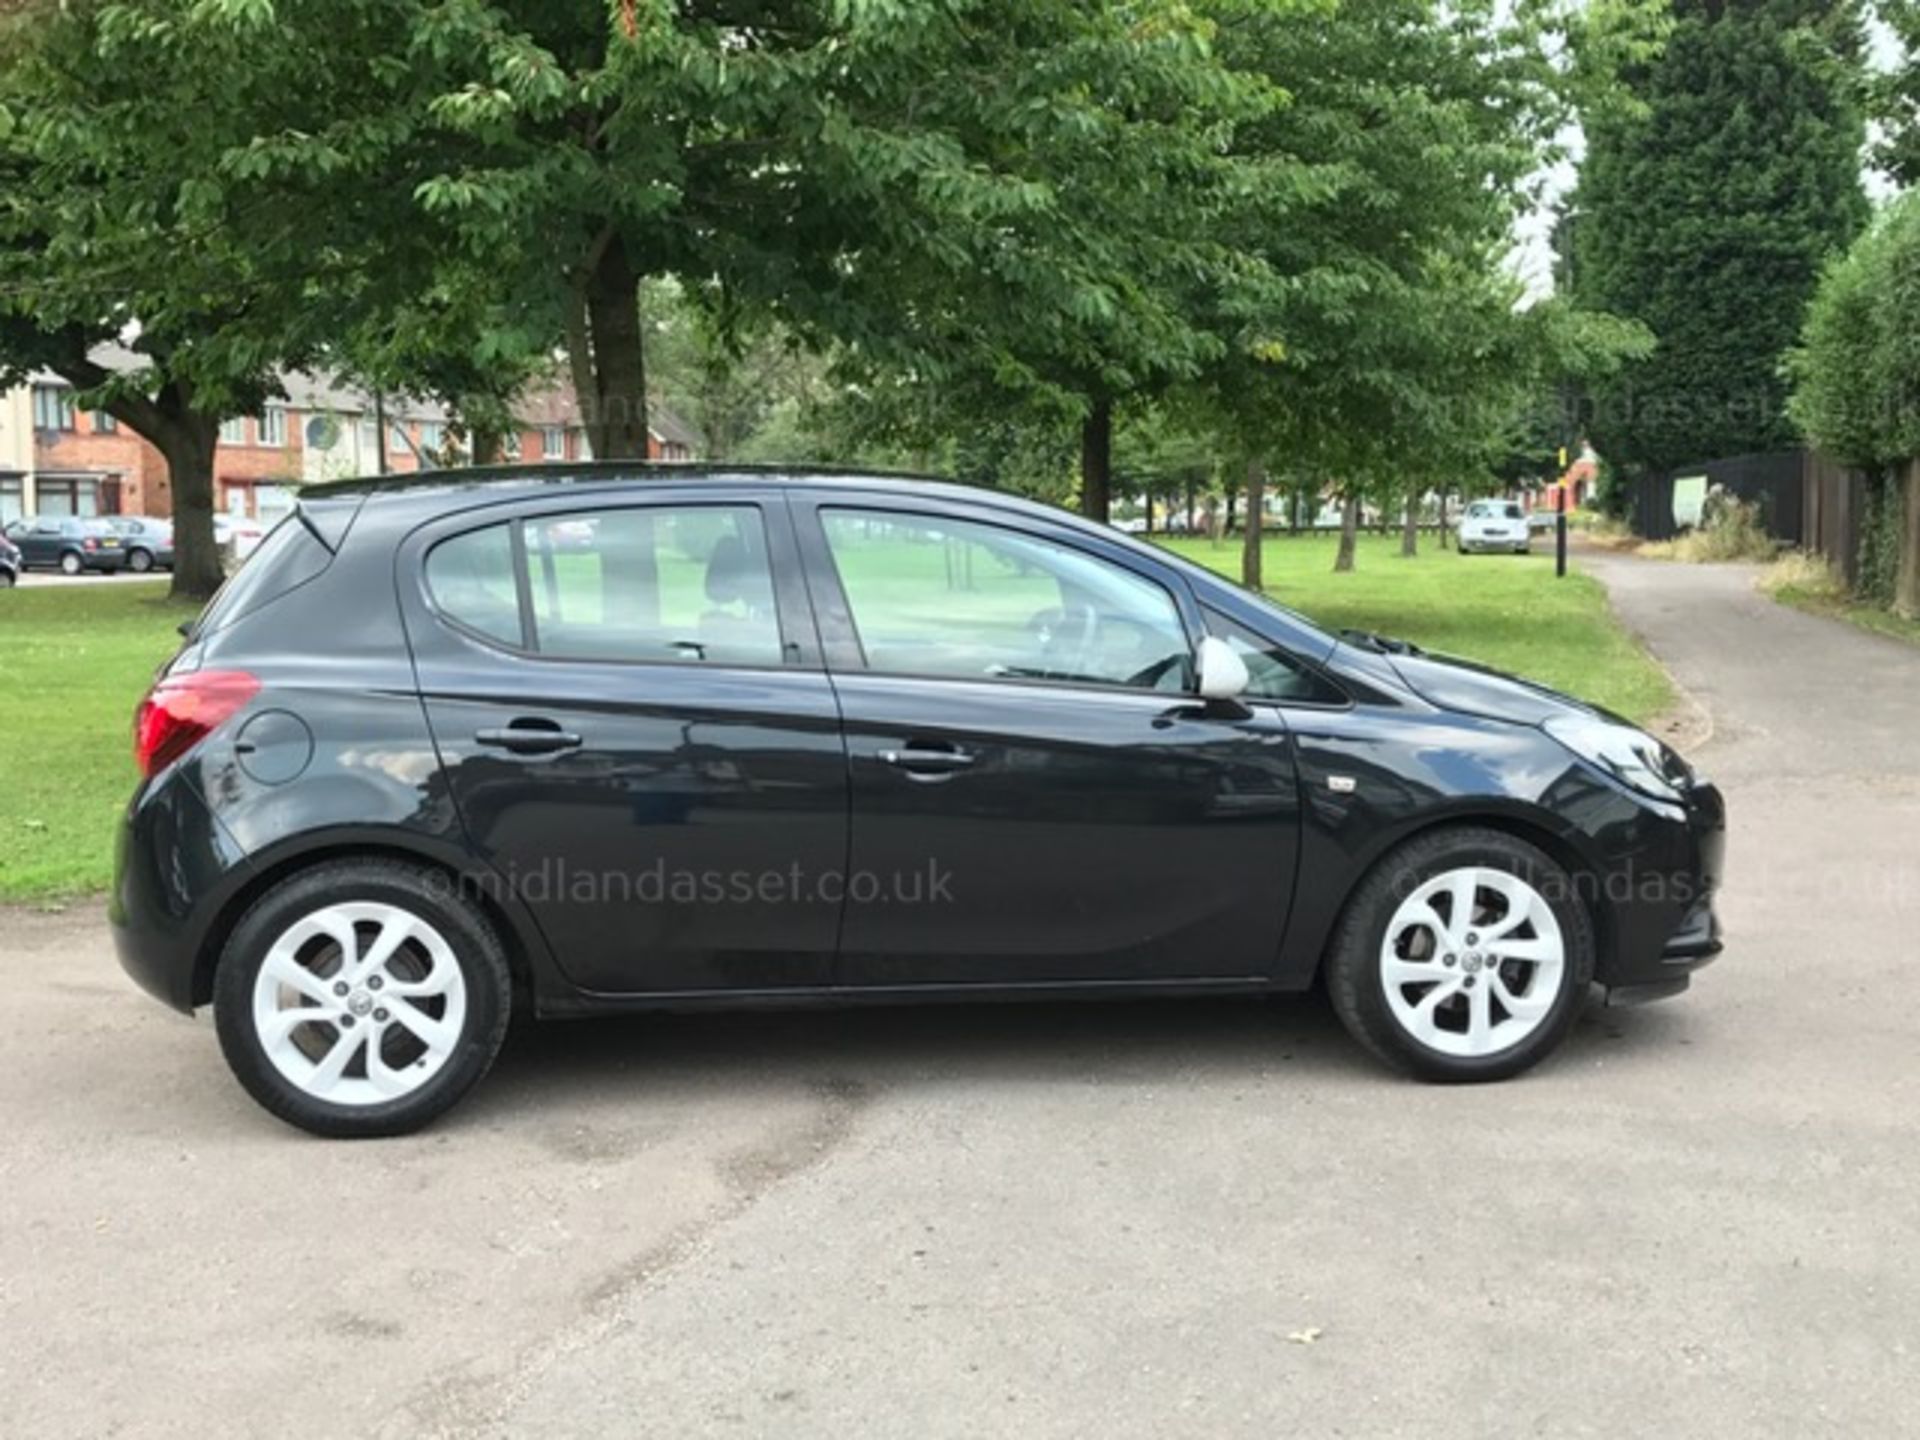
[(478, 484)]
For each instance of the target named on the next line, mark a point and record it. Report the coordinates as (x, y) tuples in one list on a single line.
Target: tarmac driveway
[(1140, 1220)]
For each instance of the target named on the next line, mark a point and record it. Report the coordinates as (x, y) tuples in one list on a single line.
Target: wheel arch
[(1533, 829), (525, 948)]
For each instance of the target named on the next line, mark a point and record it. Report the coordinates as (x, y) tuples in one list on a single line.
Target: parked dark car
[(148, 542), (9, 563), (589, 739), (72, 546)]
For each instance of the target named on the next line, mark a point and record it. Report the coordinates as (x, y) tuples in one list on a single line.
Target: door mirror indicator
[(1223, 674)]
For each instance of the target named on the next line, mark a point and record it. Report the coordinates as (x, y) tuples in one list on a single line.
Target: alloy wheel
[(1472, 962), (359, 1003)]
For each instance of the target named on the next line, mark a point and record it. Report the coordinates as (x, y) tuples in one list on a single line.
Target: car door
[(635, 728), (42, 543), (1037, 796)]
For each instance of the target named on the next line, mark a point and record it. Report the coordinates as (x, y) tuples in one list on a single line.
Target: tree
[(1853, 392), (1375, 340), (1706, 210), (849, 170), (226, 209)]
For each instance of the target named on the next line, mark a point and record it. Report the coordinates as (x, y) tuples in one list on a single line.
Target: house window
[(397, 440), (52, 407), (369, 440), (233, 432), (430, 436), (103, 423), (553, 442), (273, 425)]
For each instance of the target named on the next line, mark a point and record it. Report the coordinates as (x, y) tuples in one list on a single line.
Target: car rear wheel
[(361, 998), (139, 561), (1466, 955), (71, 564)]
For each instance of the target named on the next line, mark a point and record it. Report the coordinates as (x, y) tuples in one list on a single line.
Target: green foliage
[(1706, 210), (1852, 375), (1881, 525), (1730, 529)]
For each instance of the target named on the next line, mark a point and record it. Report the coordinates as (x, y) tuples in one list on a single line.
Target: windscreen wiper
[(1380, 644)]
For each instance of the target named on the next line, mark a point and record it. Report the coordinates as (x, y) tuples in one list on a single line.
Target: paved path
[(1203, 1219)]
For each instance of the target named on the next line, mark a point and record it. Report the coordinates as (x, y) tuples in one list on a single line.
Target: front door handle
[(920, 760), (529, 737)]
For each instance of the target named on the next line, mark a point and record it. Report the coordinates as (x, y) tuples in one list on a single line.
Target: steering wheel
[(1065, 634)]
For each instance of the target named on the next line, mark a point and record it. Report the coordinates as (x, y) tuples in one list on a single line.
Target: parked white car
[(1495, 525)]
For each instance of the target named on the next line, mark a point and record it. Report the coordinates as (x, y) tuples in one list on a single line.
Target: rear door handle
[(529, 737), (918, 760)]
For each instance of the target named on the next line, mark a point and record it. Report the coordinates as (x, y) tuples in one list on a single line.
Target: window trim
[(59, 399), (795, 654), (822, 560), (1210, 614)]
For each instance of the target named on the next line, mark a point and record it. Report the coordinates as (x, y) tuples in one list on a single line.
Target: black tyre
[(361, 998), (139, 561), (1465, 955), (71, 563), (7, 579)]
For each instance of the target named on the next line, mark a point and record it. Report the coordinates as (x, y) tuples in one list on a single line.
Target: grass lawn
[(1867, 617), (1507, 611), (77, 657)]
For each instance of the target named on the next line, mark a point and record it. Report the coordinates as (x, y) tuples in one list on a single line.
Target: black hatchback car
[(592, 739), (70, 545)]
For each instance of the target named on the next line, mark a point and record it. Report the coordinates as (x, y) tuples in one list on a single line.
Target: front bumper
[(1665, 925)]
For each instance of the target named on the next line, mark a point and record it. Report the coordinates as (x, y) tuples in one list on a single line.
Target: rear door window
[(687, 583)]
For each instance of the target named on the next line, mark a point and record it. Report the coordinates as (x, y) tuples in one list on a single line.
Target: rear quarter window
[(286, 559)]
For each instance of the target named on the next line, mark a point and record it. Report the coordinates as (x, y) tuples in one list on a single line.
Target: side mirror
[(1223, 674)]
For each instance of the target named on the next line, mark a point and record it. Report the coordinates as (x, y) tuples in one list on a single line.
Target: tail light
[(182, 710), (89, 543)]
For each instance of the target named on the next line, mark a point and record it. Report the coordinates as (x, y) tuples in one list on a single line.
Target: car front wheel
[(70, 564), (1466, 955), (361, 998)]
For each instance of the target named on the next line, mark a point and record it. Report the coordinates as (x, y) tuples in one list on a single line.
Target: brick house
[(57, 459)]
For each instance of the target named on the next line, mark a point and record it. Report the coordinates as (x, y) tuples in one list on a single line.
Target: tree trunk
[(1256, 510), (1349, 531), (1906, 590), (1149, 529), (608, 355), (1233, 504), (187, 442), (1096, 461), (1186, 521), (1443, 517), (1410, 529), (486, 447)]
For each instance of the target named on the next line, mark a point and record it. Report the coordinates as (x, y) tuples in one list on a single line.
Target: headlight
[(1631, 756)]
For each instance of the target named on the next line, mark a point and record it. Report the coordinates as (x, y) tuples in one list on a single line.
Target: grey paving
[(1202, 1219)]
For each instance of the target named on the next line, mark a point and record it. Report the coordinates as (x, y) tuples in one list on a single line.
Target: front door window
[(964, 600)]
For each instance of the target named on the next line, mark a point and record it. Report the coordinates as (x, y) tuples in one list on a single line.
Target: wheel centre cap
[(359, 1003), (1471, 962)]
